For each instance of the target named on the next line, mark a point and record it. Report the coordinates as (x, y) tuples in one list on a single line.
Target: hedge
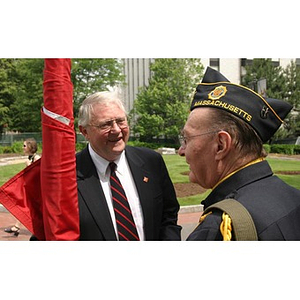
[(285, 149), (17, 147)]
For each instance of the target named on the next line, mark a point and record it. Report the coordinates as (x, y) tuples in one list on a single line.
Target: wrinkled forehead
[(199, 118), (107, 111)]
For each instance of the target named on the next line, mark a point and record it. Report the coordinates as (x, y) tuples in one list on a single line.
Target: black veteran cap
[(265, 115)]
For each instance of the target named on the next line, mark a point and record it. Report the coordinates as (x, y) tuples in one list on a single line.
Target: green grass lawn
[(6, 172), (177, 165)]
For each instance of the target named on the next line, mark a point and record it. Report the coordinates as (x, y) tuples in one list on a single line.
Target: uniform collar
[(245, 166), (239, 179)]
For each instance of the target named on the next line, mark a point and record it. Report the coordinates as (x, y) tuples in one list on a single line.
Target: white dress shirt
[(124, 174)]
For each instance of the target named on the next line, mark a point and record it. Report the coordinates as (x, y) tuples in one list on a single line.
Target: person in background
[(222, 142), (30, 148), (142, 174)]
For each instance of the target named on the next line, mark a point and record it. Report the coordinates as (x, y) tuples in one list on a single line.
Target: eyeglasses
[(183, 139), (107, 125)]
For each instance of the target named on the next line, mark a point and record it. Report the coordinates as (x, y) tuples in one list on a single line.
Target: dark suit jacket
[(157, 196), (273, 205)]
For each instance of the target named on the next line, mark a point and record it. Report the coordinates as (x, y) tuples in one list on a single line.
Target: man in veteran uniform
[(222, 142)]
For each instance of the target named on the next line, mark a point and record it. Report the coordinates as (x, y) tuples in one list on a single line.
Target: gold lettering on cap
[(226, 106)]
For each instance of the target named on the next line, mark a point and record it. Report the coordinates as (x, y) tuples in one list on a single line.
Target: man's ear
[(83, 131), (224, 141)]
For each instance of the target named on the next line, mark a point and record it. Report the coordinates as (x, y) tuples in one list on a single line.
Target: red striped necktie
[(125, 223)]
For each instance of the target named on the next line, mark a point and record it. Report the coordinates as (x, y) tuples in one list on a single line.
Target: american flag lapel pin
[(145, 179)]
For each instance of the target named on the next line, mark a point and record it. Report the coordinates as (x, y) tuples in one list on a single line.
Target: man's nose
[(181, 151), (115, 127)]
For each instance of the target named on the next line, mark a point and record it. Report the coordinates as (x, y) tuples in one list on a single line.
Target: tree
[(264, 68), (6, 91), (21, 88), (25, 112), (276, 85), (292, 74), (94, 75), (161, 109)]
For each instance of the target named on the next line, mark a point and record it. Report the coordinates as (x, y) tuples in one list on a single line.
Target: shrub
[(283, 149), (267, 148), (297, 149), (17, 147), (5, 149), (80, 146)]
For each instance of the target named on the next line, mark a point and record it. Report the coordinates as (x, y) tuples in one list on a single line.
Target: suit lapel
[(92, 194), (142, 179)]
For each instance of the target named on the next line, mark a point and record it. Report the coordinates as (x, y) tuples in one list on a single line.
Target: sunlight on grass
[(284, 165), (8, 171), (177, 167), (178, 170), (193, 200)]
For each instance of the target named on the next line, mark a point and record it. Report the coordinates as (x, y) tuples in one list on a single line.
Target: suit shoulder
[(82, 152), (82, 156), (143, 151)]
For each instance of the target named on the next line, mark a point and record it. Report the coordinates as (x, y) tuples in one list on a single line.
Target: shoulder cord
[(202, 218), (225, 226)]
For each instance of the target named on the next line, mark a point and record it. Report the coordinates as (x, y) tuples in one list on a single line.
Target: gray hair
[(245, 138), (105, 98)]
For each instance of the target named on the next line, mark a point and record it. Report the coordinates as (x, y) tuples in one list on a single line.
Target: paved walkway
[(14, 159)]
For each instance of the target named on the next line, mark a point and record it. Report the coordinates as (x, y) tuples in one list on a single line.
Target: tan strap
[(242, 222)]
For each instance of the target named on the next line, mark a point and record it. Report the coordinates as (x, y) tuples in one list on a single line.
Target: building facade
[(137, 72)]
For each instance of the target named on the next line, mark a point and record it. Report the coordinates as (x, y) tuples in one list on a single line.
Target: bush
[(285, 149), (80, 146), (267, 148), (17, 147), (152, 145), (297, 149), (5, 149)]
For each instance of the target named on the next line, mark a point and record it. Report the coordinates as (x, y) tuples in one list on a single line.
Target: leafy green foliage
[(21, 88), (162, 107), (282, 84), (94, 75), (292, 73), (285, 149)]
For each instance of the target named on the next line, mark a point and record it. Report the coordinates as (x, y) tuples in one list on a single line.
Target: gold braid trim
[(202, 218), (225, 227)]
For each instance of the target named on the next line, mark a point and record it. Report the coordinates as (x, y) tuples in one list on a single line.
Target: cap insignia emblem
[(264, 112), (217, 93)]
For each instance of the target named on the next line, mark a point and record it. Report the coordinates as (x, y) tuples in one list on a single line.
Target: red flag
[(58, 168), (54, 209), (21, 195)]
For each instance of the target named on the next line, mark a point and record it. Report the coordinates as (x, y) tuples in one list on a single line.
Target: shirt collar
[(121, 163), (102, 164)]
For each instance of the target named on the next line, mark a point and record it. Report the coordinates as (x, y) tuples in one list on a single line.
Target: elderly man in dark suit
[(150, 207)]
